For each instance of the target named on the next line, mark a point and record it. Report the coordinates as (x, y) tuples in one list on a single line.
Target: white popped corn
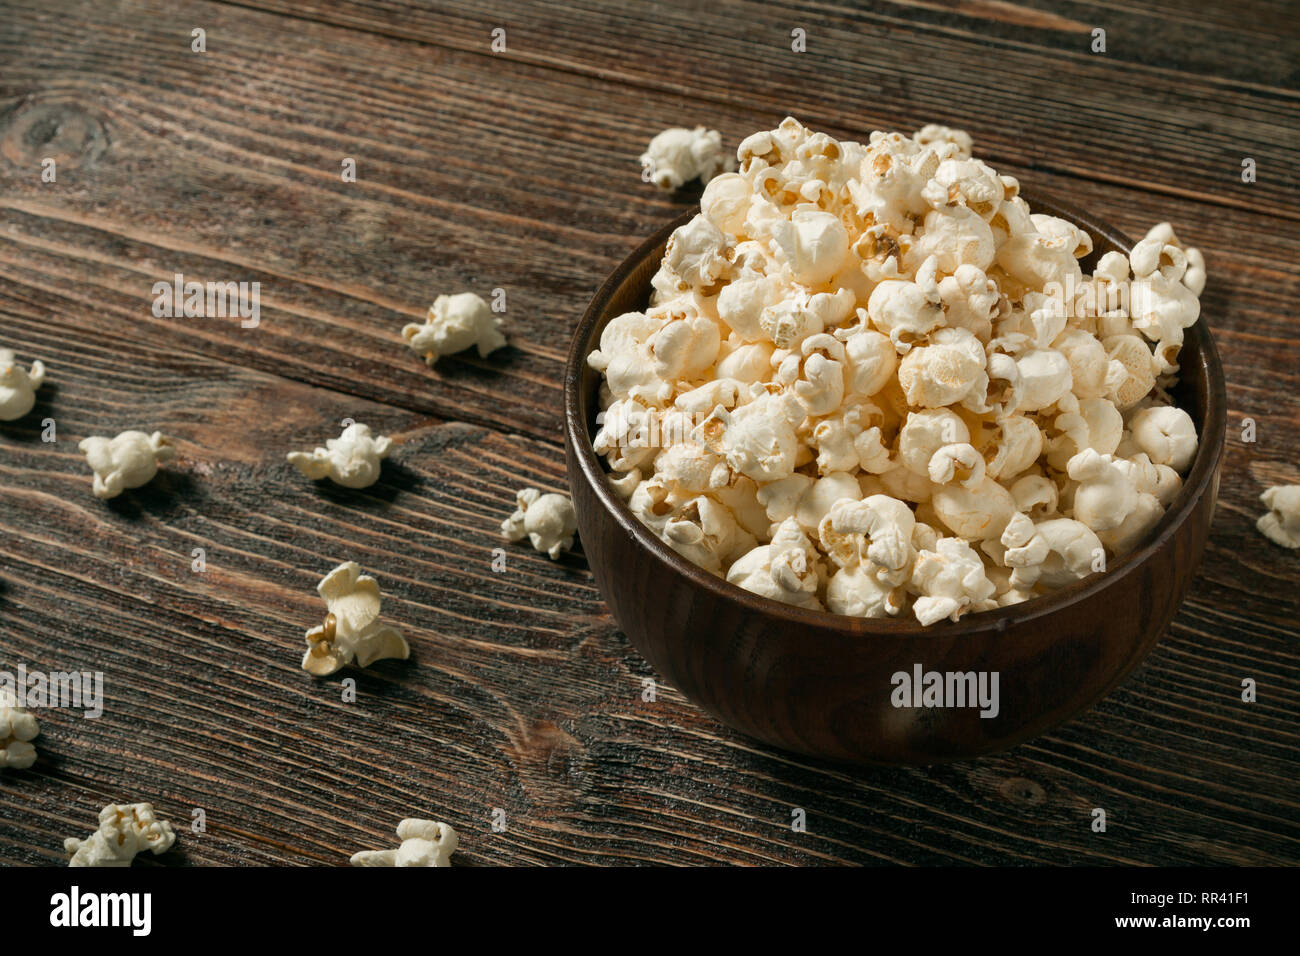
[(125, 829), (17, 730), (351, 460), (352, 632), (128, 461), (548, 521), (848, 332), (455, 323), (424, 843), (678, 155), (1281, 524), (18, 386)]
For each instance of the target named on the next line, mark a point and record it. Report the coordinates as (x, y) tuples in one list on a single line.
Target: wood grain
[(518, 171)]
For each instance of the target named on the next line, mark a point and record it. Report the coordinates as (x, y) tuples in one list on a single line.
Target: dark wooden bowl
[(820, 683)]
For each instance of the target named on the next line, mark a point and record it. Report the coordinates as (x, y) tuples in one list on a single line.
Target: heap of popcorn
[(872, 380)]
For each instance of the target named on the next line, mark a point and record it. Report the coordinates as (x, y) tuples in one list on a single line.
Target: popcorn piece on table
[(455, 323), (548, 521), (125, 829), (678, 155), (128, 461), (424, 843), (17, 729), (17, 386), (351, 460), (1281, 524), (352, 632)]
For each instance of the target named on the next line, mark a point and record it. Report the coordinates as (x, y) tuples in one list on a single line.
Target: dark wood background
[(518, 170)]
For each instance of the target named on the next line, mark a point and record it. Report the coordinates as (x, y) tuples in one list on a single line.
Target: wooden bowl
[(821, 683)]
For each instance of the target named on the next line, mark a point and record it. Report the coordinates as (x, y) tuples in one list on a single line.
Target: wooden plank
[(479, 172), (1166, 126)]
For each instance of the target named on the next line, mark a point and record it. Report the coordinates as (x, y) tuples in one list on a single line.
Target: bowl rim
[(1204, 469)]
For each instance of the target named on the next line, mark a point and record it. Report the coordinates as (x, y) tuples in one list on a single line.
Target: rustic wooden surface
[(517, 170)]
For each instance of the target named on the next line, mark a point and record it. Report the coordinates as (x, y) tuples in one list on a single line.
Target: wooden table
[(516, 170)]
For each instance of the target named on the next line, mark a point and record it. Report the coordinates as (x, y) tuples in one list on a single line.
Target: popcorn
[(821, 496), (17, 387), (1060, 551), (1090, 423), (851, 438), (924, 433), (128, 461), (742, 302), (872, 361), (1044, 376), (858, 592), (17, 729), (974, 513), (1010, 444), (351, 460), (905, 311), (960, 463), (125, 829), (1281, 524), (816, 374), (685, 345), (746, 363), (1166, 434), (706, 533), (455, 323), (726, 201), (1105, 496), (678, 155), (757, 439), (1133, 378), (877, 529), (424, 843), (625, 360), (874, 380), (944, 371), (934, 133), (954, 237), (787, 569), (694, 258), (352, 632), (950, 580), (548, 521), (812, 245)]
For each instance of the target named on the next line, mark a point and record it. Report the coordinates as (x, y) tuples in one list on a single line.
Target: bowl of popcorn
[(877, 458)]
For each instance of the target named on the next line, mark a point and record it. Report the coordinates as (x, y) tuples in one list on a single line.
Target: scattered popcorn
[(455, 323), (125, 829), (424, 843), (871, 379), (351, 460), (548, 521), (352, 632), (1282, 523), (17, 387), (17, 729), (678, 155), (128, 461)]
